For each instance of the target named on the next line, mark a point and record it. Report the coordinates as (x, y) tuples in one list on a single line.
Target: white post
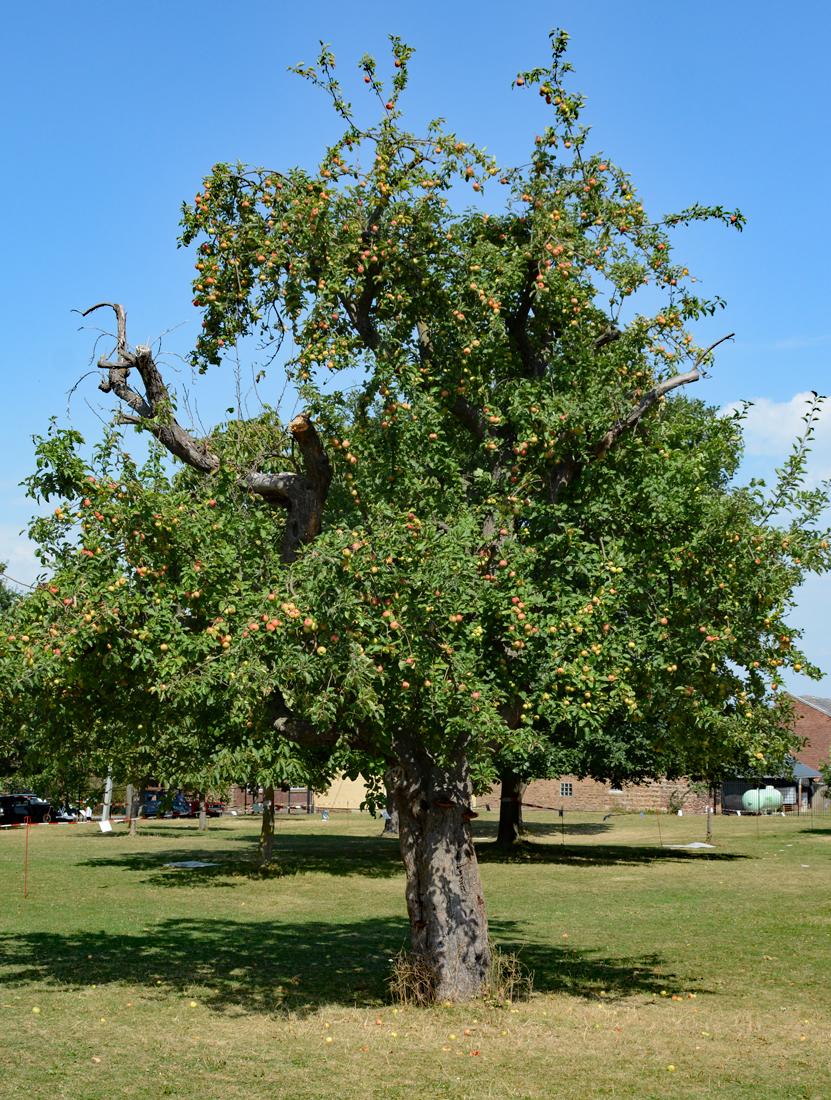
[(108, 795)]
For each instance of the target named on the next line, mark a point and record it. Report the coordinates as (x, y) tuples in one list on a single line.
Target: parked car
[(212, 809), (160, 801), (15, 808)]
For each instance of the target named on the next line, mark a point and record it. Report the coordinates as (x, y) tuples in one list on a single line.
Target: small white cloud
[(18, 552), (771, 428)]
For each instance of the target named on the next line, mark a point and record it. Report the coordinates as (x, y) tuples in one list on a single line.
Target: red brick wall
[(588, 794), (816, 726)]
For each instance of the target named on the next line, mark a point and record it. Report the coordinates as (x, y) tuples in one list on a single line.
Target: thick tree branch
[(650, 398), (303, 495), (472, 419), (155, 408), (295, 729), (566, 471), (116, 382), (285, 722), (121, 320), (282, 489), (608, 336), (358, 313), (533, 359), (305, 517)]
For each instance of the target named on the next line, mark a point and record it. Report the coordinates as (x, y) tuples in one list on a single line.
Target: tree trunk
[(136, 809), (266, 846), (446, 906), (203, 812), (390, 822), (510, 809)]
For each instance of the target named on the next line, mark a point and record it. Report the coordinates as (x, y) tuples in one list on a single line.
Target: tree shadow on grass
[(489, 829), (583, 972), (268, 967), (365, 856), (599, 855), (371, 857)]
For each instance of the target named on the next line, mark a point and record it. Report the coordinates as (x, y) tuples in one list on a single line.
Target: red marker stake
[(26, 859)]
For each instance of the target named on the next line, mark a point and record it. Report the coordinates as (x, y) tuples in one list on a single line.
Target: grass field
[(658, 973)]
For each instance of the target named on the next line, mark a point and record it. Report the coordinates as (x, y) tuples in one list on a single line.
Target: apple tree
[(499, 527)]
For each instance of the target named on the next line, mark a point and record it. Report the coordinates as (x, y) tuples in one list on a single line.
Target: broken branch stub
[(302, 495)]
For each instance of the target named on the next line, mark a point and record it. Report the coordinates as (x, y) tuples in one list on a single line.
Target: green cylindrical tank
[(768, 798)]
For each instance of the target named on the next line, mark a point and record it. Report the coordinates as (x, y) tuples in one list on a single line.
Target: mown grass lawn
[(658, 973)]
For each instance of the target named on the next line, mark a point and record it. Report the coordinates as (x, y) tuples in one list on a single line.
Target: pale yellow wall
[(347, 794), (344, 794)]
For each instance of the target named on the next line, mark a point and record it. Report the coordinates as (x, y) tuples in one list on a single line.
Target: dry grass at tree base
[(657, 973)]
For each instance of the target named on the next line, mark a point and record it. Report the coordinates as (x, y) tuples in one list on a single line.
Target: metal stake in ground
[(26, 860), (660, 838), (709, 823)]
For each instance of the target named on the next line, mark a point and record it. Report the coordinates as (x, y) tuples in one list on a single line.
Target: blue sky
[(113, 114)]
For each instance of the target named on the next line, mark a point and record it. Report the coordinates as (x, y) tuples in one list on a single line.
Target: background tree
[(7, 595), (509, 525)]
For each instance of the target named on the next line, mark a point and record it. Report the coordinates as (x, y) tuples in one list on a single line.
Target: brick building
[(569, 792), (813, 723)]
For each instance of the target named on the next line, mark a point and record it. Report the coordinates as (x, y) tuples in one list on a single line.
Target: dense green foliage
[(528, 548)]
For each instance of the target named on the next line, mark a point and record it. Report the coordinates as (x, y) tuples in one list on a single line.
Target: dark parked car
[(161, 802), (15, 808)]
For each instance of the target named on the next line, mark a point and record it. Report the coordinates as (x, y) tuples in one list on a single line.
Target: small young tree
[(513, 528)]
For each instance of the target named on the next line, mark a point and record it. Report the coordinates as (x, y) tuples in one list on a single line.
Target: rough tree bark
[(510, 809), (138, 810), (391, 821), (265, 849), (445, 901), (134, 799)]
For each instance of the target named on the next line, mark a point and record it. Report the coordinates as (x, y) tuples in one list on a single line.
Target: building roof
[(816, 702), (802, 771), (791, 769)]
